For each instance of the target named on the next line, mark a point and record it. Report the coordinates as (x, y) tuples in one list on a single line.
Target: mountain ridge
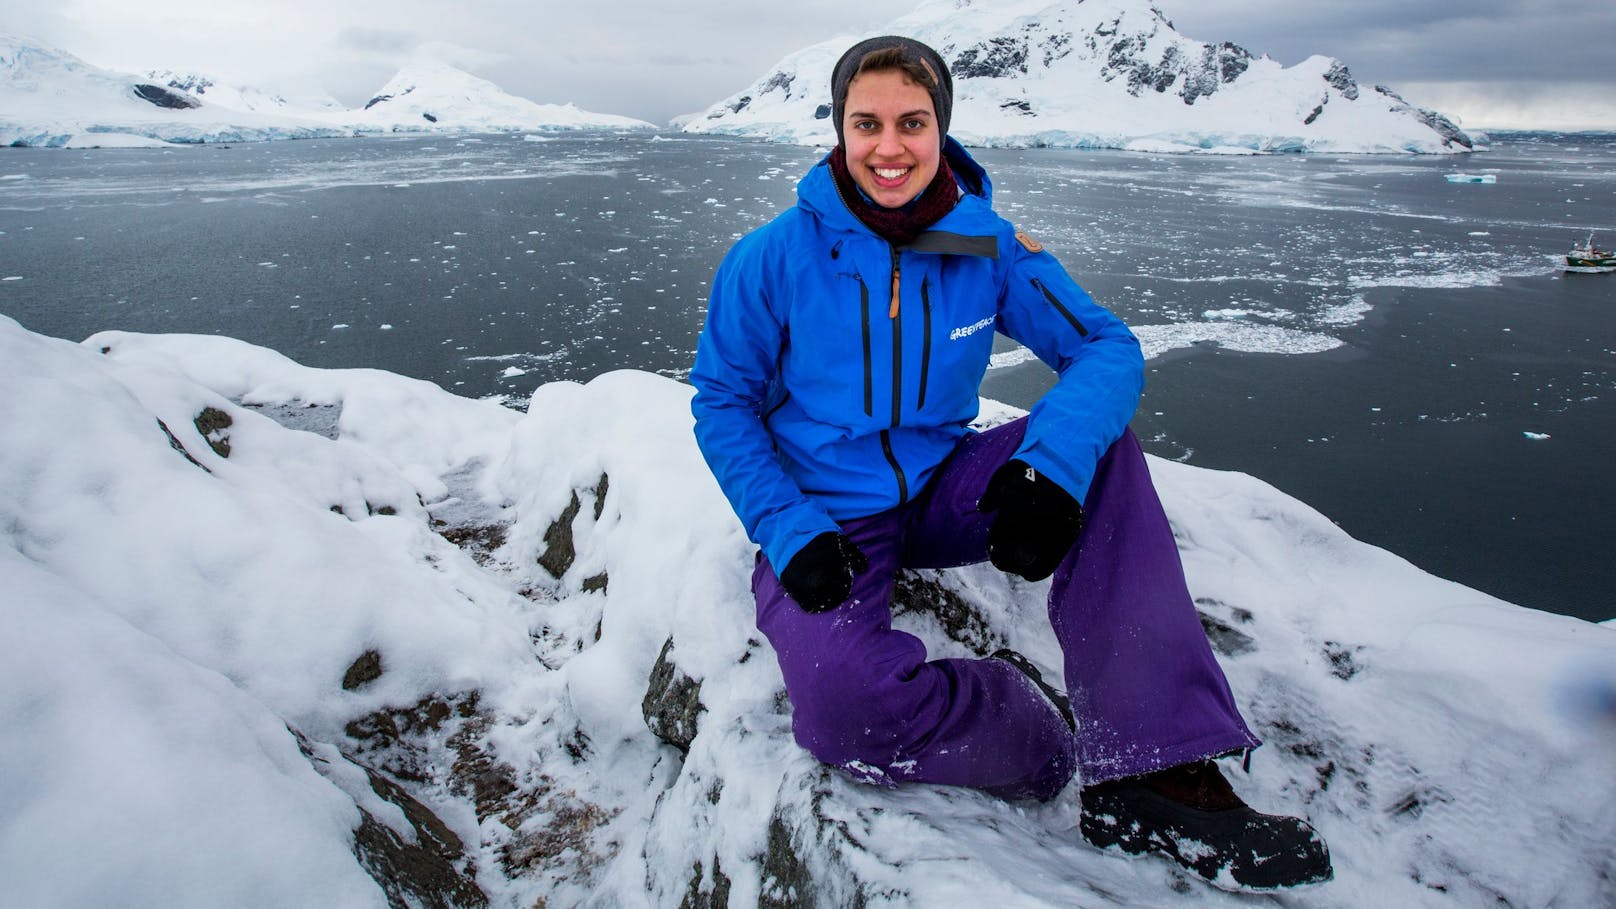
[(1101, 74), (53, 98)]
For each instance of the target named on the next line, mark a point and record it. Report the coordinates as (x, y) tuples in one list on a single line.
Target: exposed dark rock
[(1218, 620), (1343, 659), (601, 488), (162, 97), (716, 896), (1232, 61), (366, 669), (555, 830), (1225, 638), (822, 112), (594, 583), (559, 551), (431, 872), (175, 444), (1219, 65), (1055, 46), (780, 80), (787, 883), (1316, 112), (992, 59), (480, 540), (385, 737), (1021, 105), (672, 702), (377, 100), (213, 424), (428, 117), (1340, 79), (915, 592), (741, 104), (1450, 133)]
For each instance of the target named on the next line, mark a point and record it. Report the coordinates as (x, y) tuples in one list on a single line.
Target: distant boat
[(1588, 257), (1472, 178)]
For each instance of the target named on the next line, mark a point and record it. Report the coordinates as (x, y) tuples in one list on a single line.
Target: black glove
[(820, 576), (1037, 522)]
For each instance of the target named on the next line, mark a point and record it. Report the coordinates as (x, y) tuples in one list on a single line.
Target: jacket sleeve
[(737, 358), (1101, 370)]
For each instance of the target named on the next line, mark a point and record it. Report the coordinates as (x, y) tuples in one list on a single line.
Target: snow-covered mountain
[(1100, 74), (283, 636), (438, 96), (209, 90), (49, 97)]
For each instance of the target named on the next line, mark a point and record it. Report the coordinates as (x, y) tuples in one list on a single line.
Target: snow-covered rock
[(49, 97), (277, 635), (1100, 74)]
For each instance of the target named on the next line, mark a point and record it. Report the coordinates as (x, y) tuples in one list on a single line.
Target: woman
[(835, 380)]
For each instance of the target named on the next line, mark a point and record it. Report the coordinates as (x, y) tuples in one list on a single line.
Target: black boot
[(1190, 814), (1063, 704)]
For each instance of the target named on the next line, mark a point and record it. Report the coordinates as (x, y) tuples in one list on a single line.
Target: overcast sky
[(1487, 62)]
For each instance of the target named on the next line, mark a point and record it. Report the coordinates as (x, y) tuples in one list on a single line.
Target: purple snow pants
[(1144, 685)]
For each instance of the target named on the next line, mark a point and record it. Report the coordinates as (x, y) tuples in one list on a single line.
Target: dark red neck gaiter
[(898, 226)]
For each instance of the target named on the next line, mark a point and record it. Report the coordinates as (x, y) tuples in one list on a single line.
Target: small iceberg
[(1472, 178)]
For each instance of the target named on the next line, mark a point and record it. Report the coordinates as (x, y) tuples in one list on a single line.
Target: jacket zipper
[(869, 374), (897, 345), (897, 382), (1055, 302), (925, 340)]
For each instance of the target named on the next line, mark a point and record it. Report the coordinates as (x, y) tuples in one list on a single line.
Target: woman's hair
[(924, 66), (890, 58)]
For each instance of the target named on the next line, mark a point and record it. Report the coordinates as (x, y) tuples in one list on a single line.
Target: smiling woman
[(840, 431)]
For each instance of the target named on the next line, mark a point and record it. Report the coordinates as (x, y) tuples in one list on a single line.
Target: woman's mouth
[(890, 176)]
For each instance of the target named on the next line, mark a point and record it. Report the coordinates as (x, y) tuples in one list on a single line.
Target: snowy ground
[(277, 633)]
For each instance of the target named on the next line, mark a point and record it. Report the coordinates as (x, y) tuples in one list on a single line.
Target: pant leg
[(864, 697), (1144, 684)]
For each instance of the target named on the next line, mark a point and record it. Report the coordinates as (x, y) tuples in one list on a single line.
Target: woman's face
[(891, 134)]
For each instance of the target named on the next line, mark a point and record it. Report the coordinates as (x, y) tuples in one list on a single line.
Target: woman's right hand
[(820, 576)]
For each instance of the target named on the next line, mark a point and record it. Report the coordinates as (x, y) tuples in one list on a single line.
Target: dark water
[(1357, 331)]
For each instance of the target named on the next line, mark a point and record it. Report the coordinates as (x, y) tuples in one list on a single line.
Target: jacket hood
[(817, 194)]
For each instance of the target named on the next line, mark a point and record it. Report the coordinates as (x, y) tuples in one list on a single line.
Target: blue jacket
[(814, 404)]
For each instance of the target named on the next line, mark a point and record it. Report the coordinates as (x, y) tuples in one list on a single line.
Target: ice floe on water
[(1245, 337)]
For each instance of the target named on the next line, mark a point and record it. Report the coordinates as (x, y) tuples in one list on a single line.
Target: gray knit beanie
[(942, 94)]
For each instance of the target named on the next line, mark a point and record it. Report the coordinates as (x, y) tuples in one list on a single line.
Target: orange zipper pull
[(892, 312)]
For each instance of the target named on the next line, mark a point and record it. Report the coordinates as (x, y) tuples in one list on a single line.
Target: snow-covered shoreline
[(262, 617)]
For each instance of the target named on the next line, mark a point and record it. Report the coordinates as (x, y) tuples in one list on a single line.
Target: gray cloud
[(657, 60)]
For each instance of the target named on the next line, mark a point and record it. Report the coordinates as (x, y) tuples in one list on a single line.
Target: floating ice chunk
[(386, 326), (1535, 436), (11, 278), (511, 372), (1471, 178), (339, 325)]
